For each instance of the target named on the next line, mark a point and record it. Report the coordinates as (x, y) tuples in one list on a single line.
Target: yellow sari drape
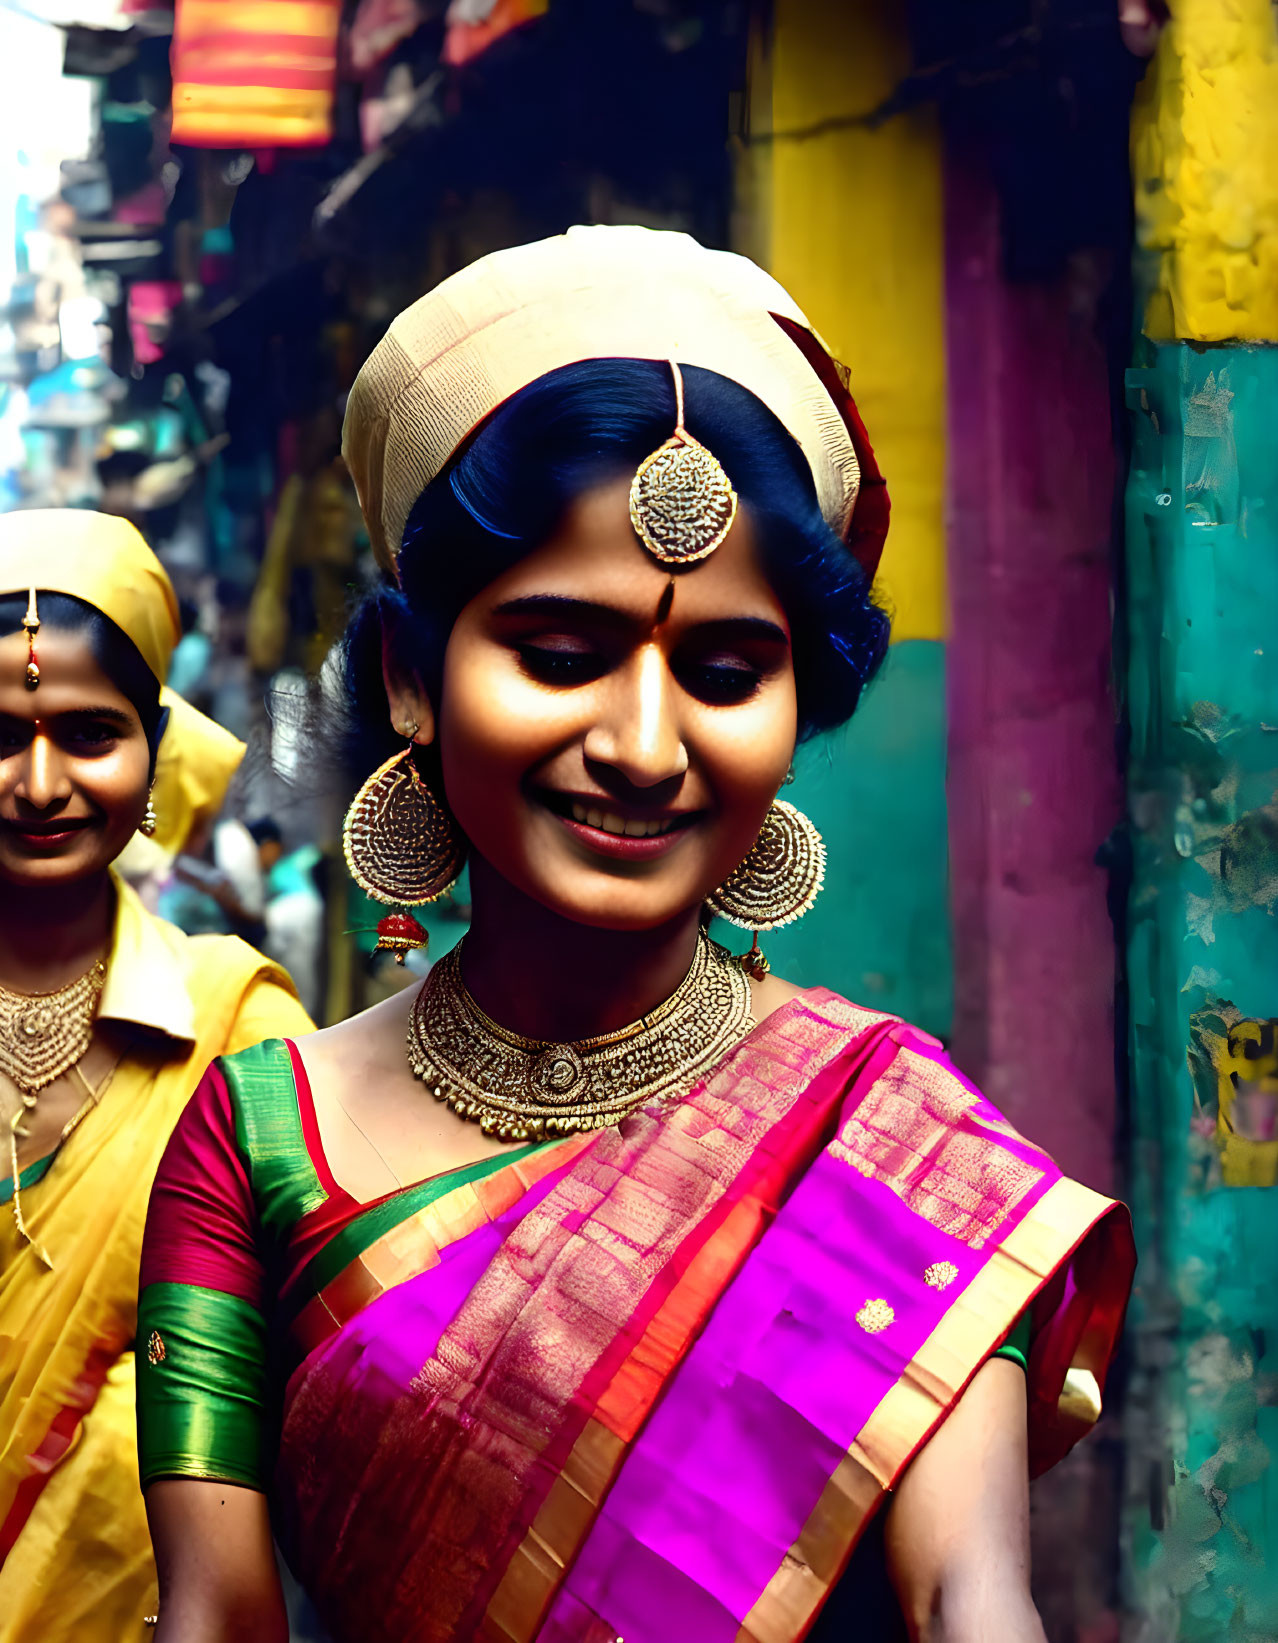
[(76, 1557)]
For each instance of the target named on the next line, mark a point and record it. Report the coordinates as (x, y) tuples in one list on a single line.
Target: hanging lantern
[(254, 73), (471, 26)]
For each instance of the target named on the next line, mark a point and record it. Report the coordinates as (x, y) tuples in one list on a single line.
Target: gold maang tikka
[(31, 626), (682, 503)]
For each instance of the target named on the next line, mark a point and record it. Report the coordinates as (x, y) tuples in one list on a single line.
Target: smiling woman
[(607, 1285), (80, 747), (107, 1018)]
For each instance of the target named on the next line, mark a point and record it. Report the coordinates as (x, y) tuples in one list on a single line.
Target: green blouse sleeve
[(204, 1403), (202, 1385)]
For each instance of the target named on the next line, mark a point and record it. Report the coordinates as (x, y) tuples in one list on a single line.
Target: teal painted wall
[(880, 931), (1202, 1420)]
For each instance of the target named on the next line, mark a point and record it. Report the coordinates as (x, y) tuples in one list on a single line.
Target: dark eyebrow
[(113, 715), (564, 605), (745, 627)]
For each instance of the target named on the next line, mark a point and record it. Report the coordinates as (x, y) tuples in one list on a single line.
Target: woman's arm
[(203, 1383), (213, 1549), (958, 1526)]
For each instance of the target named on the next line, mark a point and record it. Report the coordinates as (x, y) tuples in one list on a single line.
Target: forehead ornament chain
[(31, 626), (682, 503)]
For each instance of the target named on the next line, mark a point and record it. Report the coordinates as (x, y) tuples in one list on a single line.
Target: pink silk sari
[(653, 1383)]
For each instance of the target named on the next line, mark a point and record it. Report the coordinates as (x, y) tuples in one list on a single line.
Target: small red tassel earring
[(401, 934)]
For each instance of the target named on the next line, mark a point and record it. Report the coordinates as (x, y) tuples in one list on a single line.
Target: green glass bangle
[(1017, 1345)]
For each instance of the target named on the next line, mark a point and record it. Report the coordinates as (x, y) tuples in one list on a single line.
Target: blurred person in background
[(294, 912), (218, 883), (606, 1284), (108, 1017), (193, 772)]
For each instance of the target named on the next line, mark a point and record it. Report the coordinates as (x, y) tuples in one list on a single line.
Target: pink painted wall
[(1034, 786)]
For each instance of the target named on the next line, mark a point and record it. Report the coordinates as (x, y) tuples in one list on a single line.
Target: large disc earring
[(777, 882), (402, 846)]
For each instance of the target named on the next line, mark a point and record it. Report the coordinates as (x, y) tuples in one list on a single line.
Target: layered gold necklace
[(42, 1036), (527, 1089)]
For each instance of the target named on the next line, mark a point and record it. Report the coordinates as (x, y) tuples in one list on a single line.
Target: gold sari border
[(568, 1513), (563, 1521), (980, 1317)]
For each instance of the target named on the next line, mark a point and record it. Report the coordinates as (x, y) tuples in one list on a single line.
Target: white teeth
[(607, 822)]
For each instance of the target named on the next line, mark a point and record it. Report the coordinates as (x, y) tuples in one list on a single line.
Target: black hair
[(577, 427), (113, 651), (265, 831)]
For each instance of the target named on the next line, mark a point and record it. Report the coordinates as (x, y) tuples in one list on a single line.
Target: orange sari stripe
[(1065, 1217), (416, 1244), (638, 1383), (532, 1577), (568, 1512), (556, 1324)]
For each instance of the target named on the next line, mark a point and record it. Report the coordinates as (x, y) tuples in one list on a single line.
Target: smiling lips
[(46, 835), (624, 838), (607, 821)]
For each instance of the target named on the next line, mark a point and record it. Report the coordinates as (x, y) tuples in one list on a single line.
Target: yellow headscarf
[(105, 562)]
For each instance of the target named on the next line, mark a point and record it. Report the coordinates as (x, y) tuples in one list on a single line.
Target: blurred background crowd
[(1051, 269)]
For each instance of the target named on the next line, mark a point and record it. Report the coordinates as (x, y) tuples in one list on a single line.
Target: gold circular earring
[(401, 843), (150, 820), (777, 882)]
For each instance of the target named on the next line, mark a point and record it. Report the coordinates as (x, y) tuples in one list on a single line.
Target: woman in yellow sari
[(108, 1016)]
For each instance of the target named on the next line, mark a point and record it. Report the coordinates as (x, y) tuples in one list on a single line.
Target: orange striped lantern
[(254, 73)]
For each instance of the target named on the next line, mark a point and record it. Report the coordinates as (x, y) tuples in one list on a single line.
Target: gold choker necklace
[(525, 1089)]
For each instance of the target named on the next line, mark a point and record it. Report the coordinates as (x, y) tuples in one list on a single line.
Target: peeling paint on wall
[(1201, 1556)]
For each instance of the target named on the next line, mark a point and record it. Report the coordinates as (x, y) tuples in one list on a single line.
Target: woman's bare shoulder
[(767, 996), (368, 1040)]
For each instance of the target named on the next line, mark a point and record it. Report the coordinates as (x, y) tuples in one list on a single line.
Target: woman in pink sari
[(607, 1286)]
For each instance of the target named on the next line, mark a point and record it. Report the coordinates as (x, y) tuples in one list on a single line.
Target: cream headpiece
[(489, 331)]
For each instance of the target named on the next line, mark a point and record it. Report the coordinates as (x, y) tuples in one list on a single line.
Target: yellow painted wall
[(1205, 165), (850, 222)]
